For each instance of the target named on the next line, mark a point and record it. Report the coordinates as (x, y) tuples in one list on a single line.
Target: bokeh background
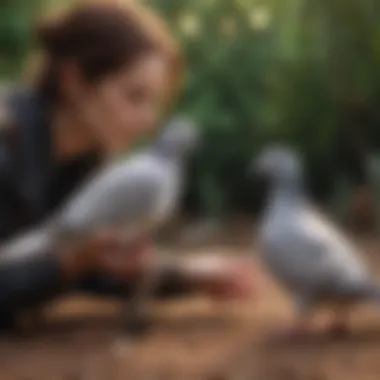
[(301, 71), (305, 72)]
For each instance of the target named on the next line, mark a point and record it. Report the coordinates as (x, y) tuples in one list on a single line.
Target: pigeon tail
[(33, 243)]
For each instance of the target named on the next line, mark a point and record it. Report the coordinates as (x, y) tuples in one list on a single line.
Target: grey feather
[(128, 195), (307, 254)]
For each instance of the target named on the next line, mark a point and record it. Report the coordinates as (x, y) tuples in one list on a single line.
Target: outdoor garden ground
[(193, 339)]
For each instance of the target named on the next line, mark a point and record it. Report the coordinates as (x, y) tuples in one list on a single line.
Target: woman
[(108, 71)]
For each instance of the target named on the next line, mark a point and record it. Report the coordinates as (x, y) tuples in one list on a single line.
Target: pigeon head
[(278, 163), (178, 138)]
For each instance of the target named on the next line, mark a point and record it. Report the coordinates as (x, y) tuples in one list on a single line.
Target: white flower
[(189, 24), (259, 18)]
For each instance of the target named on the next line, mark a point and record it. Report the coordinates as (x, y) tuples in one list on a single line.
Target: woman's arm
[(27, 284)]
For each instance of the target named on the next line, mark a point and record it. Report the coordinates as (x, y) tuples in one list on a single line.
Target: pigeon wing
[(338, 264), (125, 195)]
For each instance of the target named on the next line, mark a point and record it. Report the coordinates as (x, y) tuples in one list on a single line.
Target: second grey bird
[(305, 251)]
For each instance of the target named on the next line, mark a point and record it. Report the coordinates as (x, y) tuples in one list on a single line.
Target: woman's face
[(124, 106)]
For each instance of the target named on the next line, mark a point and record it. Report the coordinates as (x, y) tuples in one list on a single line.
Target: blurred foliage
[(259, 70), (299, 71), (16, 18)]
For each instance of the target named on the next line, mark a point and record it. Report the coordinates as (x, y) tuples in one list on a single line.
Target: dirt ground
[(192, 339)]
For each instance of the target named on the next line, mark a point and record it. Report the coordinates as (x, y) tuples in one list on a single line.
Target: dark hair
[(101, 38)]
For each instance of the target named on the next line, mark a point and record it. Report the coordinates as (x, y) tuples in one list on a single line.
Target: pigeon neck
[(290, 191)]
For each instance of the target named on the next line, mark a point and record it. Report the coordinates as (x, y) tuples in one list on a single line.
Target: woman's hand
[(240, 279), (224, 278), (106, 253)]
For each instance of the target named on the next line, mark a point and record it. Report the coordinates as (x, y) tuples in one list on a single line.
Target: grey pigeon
[(136, 195), (304, 251)]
